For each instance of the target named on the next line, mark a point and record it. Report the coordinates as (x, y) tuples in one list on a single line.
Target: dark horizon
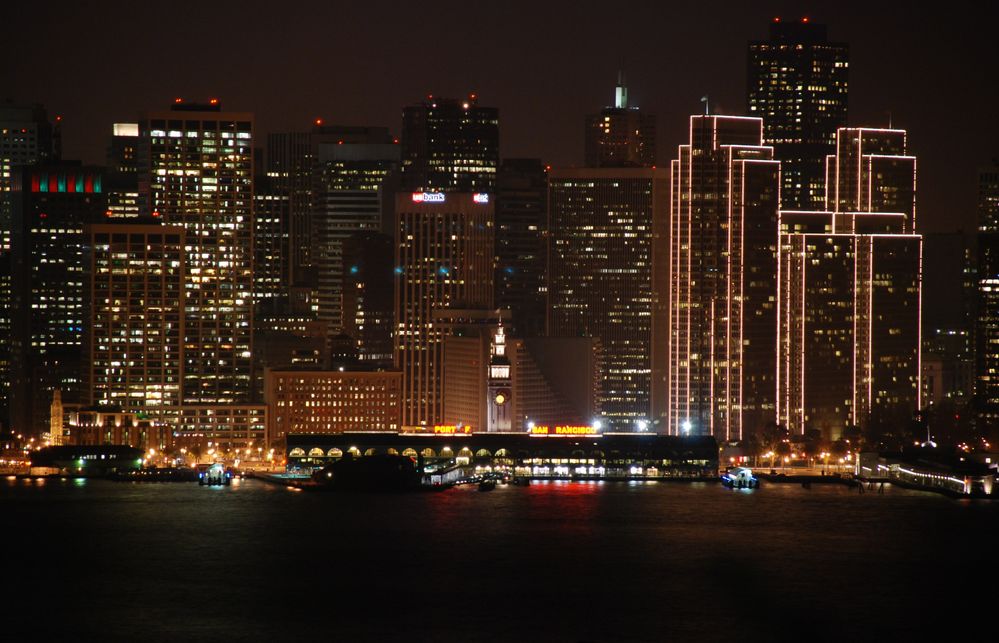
[(545, 66)]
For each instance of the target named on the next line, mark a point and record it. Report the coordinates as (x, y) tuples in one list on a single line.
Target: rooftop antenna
[(707, 111), (621, 92)]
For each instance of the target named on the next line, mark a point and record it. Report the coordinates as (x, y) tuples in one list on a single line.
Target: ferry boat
[(740, 478)]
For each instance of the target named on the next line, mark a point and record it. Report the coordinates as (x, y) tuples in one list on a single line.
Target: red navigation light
[(178, 100), (319, 121), (777, 19), (58, 118), (805, 19), (340, 142), (156, 213), (213, 101), (395, 140)]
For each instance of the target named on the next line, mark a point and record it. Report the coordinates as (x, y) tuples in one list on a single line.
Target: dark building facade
[(368, 295), (450, 145), (521, 247), (797, 82), (353, 192)]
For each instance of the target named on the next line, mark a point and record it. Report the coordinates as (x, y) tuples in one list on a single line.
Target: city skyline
[(653, 52)]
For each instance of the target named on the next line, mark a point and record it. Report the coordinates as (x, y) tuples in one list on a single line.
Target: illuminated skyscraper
[(26, 137), (722, 280), (444, 260), (607, 267), (122, 183), (797, 81), (450, 145), (622, 135), (271, 245), (51, 205), (134, 312), (850, 293), (987, 331), (196, 172)]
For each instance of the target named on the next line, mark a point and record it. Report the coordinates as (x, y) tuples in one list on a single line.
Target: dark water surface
[(598, 562)]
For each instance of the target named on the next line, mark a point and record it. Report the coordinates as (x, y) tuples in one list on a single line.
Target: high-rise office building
[(271, 245), (122, 182), (521, 247), (987, 301), (607, 265), (450, 145), (797, 82), (722, 280), (290, 161), (335, 180), (196, 172), (354, 187), (369, 295), (444, 260), (134, 315), (622, 135), (51, 205), (850, 293), (26, 137)]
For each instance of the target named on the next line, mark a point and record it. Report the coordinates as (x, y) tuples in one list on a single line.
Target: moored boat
[(740, 478)]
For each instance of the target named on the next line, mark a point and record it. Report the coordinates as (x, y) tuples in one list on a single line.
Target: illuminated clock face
[(500, 398)]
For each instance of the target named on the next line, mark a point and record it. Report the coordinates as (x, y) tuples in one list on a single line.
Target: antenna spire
[(621, 92)]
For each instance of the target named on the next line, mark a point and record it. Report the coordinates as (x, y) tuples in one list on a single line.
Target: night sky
[(543, 64)]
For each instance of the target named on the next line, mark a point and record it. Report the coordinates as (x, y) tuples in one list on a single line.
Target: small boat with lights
[(214, 474), (740, 478)]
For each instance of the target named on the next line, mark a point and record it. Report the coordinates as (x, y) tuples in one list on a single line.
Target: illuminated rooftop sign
[(563, 429), (82, 182), (451, 429), (428, 197), (479, 197)]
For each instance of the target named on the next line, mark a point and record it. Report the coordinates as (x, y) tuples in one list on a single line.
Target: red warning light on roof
[(805, 19), (319, 121), (178, 100), (213, 101)]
